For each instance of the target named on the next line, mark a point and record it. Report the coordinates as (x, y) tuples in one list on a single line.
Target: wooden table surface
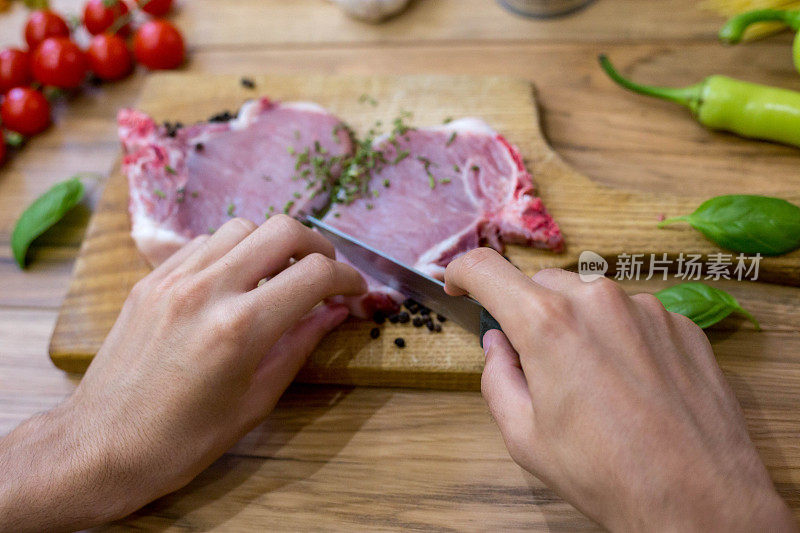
[(382, 459)]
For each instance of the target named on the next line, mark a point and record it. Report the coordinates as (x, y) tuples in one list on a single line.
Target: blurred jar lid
[(372, 10), (543, 8)]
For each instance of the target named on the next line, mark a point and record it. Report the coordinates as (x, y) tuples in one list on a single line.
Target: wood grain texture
[(335, 459), (390, 459), (249, 23), (593, 217)]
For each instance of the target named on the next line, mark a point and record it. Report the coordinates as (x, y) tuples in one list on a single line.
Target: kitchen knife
[(429, 291)]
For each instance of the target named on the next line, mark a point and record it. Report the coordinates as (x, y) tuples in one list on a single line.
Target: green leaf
[(704, 304), (42, 214), (747, 223)]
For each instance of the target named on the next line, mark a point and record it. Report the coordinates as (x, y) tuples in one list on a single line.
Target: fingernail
[(336, 314), (488, 340)]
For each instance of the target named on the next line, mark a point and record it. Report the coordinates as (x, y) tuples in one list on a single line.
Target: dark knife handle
[(488, 322)]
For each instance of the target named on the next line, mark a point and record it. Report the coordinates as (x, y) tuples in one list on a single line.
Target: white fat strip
[(246, 115), (305, 106), (252, 108), (427, 260), (149, 236)]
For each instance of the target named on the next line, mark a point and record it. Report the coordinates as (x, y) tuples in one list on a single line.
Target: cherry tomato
[(25, 111), (109, 57), (158, 45), (100, 15), (42, 24), (157, 8), (60, 63), (15, 69)]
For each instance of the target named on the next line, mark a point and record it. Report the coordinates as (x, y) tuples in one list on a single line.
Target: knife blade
[(429, 291)]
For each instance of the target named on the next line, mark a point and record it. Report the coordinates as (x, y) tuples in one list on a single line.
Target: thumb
[(505, 389)]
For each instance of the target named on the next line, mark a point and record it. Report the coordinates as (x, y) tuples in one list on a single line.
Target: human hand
[(199, 355), (615, 403)]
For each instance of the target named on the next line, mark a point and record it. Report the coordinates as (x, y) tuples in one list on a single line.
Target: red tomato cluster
[(53, 59)]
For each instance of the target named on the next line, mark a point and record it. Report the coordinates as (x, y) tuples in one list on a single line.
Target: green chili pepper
[(733, 30), (723, 103)]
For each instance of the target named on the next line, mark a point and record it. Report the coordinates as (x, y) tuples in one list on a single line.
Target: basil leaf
[(747, 223), (42, 214), (704, 304)]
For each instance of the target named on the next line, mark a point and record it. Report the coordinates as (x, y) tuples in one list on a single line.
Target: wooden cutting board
[(592, 217)]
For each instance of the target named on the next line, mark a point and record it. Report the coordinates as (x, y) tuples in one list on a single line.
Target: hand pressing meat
[(615, 403), (199, 355)]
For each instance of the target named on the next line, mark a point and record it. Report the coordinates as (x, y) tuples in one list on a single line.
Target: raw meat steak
[(445, 191), (188, 181)]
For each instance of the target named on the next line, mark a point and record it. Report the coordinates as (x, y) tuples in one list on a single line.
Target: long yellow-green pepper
[(722, 103), (733, 30)]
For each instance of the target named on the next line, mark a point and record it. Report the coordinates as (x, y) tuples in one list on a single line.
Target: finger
[(177, 258), (505, 389), (285, 359), (268, 249), (497, 284), (557, 279), (221, 242), (283, 300)]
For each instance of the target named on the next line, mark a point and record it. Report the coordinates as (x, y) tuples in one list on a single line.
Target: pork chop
[(444, 191), (186, 181)]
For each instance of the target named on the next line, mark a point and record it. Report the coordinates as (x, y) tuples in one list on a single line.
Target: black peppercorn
[(375, 333), (394, 319), (379, 317), (403, 318), (418, 322), (441, 318), (400, 342)]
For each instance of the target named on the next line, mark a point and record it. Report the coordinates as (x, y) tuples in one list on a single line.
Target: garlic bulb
[(372, 10)]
